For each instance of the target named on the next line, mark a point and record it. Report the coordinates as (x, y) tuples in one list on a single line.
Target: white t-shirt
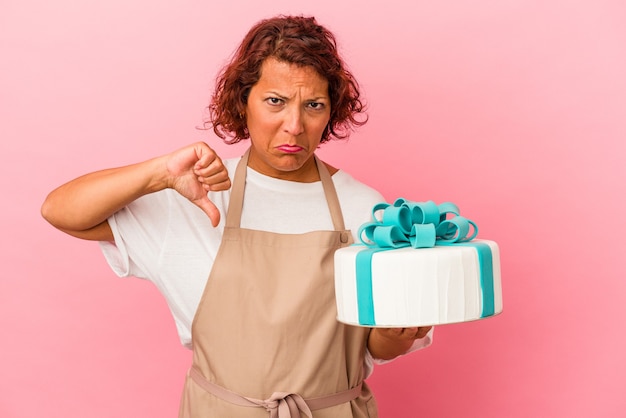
[(165, 238)]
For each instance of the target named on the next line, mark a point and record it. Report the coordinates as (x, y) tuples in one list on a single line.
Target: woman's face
[(287, 111)]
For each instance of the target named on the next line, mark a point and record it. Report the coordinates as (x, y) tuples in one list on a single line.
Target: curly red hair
[(296, 40)]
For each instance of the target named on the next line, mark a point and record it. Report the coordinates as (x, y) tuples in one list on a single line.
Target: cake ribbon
[(416, 224), (419, 225)]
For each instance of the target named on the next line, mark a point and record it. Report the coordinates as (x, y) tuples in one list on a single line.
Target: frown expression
[(286, 114)]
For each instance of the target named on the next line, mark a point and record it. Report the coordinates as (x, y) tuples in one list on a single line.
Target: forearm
[(86, 202)]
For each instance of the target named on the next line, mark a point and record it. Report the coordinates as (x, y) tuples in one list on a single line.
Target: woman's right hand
[(195, 170)]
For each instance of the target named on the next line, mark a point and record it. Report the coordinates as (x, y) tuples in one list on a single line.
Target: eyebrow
[(280, 96)]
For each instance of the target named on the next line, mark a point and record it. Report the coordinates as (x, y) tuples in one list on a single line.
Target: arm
[(81, 207), (388, 343)]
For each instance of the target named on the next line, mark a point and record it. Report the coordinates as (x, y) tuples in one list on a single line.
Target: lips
[(290, 149)]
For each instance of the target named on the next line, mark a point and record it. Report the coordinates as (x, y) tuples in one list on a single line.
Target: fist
[(193, 171)]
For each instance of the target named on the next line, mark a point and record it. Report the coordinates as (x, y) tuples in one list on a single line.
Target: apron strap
[(280, 404), (331, 195), (235, 206)]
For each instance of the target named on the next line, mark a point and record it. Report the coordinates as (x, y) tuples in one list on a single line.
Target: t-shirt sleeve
[(116, 253), (139, 232)]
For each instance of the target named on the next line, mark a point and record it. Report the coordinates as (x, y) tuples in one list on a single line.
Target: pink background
[(514, 110)]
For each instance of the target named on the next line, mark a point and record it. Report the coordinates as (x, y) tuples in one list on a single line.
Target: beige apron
[(266, 342)]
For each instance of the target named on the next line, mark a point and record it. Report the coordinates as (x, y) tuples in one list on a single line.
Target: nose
[(293, 123)]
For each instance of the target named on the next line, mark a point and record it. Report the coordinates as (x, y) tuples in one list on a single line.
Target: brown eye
[(316, 105), (274, 101)]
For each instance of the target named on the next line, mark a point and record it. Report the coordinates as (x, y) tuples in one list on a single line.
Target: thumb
[(209, 208)]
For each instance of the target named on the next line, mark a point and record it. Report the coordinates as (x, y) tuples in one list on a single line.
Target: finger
[(212, 168), (209, 208), (208, 160), (215, 176), (395, 332), (422, 332), (215, 187), (205, 154), (410, 332), (220, 179)]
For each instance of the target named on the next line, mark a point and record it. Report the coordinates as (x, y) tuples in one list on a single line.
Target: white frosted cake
[(456, 281)]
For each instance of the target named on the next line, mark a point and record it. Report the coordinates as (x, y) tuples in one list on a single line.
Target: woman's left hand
[(409, 334), (388, 343)]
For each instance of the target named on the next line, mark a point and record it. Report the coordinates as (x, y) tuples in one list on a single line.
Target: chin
[(288, 168)]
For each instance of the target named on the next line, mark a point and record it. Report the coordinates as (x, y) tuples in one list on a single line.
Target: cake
[(417, 264)]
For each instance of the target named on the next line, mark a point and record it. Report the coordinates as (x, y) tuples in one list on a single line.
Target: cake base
[(409, 287)]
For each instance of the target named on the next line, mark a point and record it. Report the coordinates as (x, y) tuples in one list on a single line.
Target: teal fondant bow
[(417, 224)]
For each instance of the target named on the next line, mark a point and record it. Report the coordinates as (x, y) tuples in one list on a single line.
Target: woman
[(263, 325)]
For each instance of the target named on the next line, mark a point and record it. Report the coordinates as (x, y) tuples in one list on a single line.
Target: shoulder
[(349, 188), (356, 199)]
